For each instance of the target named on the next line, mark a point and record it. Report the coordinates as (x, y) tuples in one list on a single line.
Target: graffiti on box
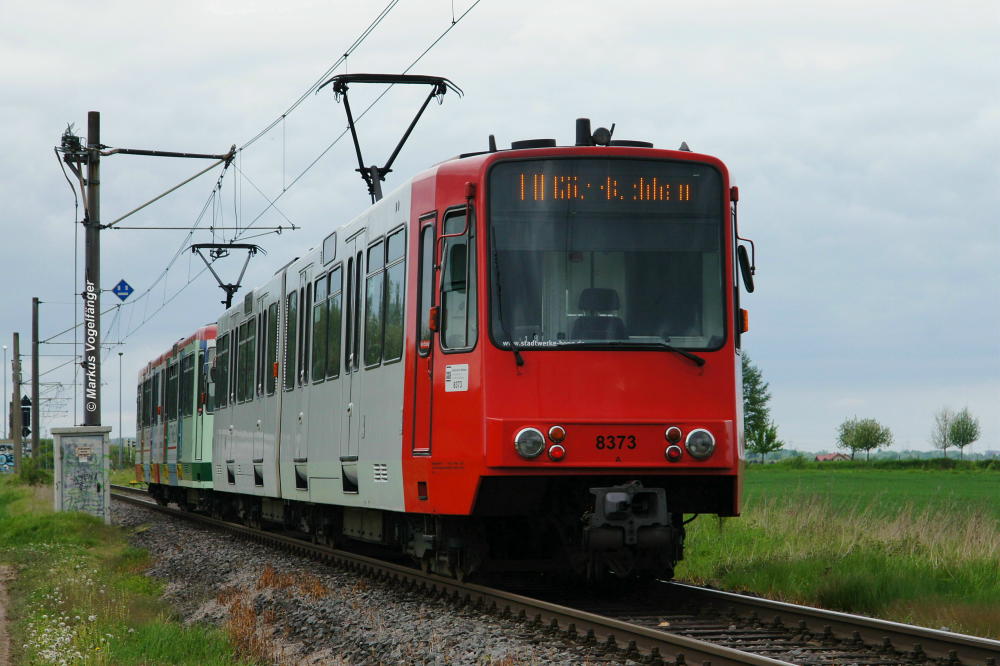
[(83, 475)]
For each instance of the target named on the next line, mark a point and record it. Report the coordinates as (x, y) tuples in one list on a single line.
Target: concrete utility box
[(82, 467)]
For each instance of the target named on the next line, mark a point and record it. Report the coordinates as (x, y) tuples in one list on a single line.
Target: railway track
[(665, 622), (801, 634)]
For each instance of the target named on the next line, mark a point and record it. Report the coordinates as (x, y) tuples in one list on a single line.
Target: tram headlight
[(700, 443), (529, 442)]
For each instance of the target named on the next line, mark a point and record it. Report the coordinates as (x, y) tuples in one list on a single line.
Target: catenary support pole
[(6, 422), (121, 437), (92, 277), (35, 402)]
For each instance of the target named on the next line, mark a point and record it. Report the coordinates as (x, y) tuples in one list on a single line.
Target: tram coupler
[(628, 515)]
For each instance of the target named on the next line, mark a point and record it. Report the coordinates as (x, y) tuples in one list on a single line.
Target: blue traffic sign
[(122, 290)]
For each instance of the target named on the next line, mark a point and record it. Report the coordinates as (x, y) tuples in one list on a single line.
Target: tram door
[(261, 423), (294, 405), (354, 279), (267, 392), (203, 363), (424, 370)]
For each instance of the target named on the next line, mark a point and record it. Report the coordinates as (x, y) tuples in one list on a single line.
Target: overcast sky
[(864, 137)]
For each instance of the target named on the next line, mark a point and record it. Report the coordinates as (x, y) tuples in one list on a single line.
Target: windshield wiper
[(697, 360), (518, 359), (694, 358)]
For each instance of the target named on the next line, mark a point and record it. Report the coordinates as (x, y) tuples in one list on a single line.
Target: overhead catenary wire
[(272, 203), (111, 225), (142, 297), (76, 253), (304, 96), (241, 229), (50, 340), (357, 120)]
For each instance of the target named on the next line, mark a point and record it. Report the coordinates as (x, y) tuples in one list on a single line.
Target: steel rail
[(597, 628), (635, 641), (935, 643), (131, 490)]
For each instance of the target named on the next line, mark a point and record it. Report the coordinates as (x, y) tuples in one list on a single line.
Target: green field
[(79, 595), (888, 490), (912, 545)]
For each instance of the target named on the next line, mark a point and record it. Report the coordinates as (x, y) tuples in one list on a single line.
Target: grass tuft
[(247, 631), (306, 584)]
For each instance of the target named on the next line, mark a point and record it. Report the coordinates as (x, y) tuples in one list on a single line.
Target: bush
[(796, 462), (925, 464), (32, 474)]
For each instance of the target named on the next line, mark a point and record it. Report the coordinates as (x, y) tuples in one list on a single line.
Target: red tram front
[(574, 386)]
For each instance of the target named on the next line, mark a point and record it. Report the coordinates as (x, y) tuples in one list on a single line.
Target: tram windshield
[(606, 252)]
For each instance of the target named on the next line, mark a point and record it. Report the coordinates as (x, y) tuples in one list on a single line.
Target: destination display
[(540, 186), (605, 184)]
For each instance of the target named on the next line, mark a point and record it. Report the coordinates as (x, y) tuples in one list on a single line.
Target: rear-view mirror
[(745, 271)]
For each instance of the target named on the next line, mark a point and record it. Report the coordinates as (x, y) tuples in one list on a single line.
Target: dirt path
[(6, 574)]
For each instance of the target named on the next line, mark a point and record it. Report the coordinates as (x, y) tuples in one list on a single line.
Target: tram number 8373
[(615, 442)]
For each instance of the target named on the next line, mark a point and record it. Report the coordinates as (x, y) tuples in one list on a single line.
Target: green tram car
[(175, 401)]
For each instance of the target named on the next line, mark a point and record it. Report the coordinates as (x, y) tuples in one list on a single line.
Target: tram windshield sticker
[(456, 378)]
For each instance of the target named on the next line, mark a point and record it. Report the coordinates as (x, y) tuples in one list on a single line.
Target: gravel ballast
[(299, 611)]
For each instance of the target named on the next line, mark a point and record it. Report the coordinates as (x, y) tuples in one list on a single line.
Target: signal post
[(15, 404)]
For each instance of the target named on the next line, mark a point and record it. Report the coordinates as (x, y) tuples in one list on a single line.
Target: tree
[(764, 441), (756, 415), (863, 435), (964, 430), (941, 432)]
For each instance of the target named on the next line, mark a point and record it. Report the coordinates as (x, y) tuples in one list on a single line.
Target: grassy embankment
[(123, 477), (79, 596), (904, 542)]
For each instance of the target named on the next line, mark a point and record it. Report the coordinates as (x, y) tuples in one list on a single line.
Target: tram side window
[(425, 298), (155, 406), (245, 360), (304, 344), (208, 385), (320, 319), (272, 347), (171, 391), (352, 330), (333, 309), (147, 403), (241, 362), (201, 397), (258, 386), (395, 292), (291, 337), (458, 285), (241, 340), (187, 385), (251, 362), (222, 370), (374, 305)]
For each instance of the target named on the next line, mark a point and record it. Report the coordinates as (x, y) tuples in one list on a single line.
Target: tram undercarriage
[(619, 531)]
